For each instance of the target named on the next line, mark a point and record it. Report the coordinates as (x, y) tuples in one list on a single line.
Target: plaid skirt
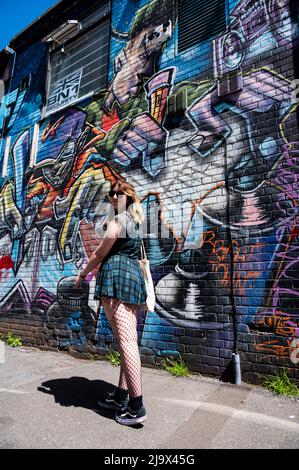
[(121, 277)]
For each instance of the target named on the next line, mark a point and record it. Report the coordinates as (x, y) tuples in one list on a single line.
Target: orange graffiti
[(221, 250), (51, 129), (274, 346), (247, 283), (281, 325)]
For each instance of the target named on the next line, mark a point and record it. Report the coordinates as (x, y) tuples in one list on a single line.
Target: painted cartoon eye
[(153, 35), (166, 25)]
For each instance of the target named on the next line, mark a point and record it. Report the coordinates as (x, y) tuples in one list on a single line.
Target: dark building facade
[(195, 103)]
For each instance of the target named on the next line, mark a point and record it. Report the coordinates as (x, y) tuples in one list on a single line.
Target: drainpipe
[(237, 367), (235, 354)]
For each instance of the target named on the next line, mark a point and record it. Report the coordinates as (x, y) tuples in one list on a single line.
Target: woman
[(120, 287)]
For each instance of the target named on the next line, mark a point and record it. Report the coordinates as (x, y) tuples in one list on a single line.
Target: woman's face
[(117, 198)]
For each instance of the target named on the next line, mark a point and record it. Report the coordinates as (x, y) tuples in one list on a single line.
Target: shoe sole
[(131, 422)]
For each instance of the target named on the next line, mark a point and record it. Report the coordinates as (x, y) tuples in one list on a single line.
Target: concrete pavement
[(49, 400)]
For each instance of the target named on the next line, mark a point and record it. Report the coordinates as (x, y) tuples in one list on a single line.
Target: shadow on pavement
[(79, 392)]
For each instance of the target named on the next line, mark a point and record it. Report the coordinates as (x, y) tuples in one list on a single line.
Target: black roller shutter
[(199, 21)]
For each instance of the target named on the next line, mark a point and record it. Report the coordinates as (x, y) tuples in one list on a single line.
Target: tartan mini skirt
[(121, 277)]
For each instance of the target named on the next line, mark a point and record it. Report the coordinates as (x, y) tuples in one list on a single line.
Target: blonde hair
[(134, 208)]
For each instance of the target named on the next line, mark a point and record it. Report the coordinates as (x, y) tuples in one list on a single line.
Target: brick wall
[(217, 173)]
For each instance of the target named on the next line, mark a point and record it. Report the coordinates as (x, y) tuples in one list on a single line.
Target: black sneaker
[(111, 403), (129, 417)]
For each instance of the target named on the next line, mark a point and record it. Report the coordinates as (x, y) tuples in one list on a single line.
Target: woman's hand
[(78, 281)]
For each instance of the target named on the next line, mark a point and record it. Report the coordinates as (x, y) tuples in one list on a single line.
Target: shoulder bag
[(145, 266)]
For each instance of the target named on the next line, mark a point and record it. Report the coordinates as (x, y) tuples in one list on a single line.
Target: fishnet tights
[(123, 321)]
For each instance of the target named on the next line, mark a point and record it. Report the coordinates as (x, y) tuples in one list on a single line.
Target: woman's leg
[(122, 383), (106, 302), (123, 320)]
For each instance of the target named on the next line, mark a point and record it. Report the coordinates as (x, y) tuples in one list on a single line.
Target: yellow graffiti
[(9, 213)]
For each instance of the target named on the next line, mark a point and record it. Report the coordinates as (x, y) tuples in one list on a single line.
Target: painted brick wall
[(218, 181)]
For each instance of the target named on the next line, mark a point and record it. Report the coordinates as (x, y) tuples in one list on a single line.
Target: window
[(199, 21), (78, 67)]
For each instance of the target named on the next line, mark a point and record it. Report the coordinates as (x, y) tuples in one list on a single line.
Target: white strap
[(143, 252)]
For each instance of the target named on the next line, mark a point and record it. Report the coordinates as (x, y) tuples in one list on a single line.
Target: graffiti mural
[(213, 156)]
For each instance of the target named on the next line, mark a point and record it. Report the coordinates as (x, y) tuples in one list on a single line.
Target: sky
[(15, 15)]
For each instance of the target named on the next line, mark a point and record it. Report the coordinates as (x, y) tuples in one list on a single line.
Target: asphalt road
[(48, 400)]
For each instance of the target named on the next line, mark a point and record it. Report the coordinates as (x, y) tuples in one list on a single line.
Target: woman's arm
[(111, 235)]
